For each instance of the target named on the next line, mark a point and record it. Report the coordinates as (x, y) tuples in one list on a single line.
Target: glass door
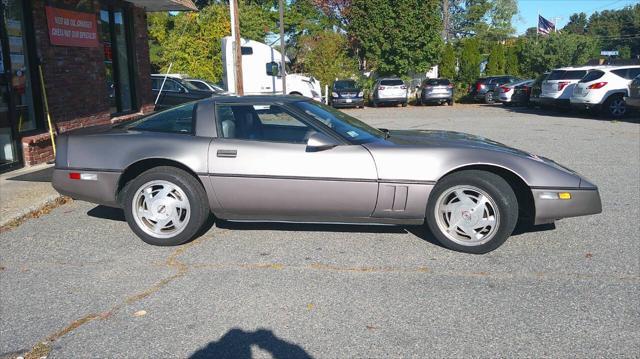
[(10, 156)]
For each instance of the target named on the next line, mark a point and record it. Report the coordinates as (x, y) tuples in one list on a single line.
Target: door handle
[(227, 153)]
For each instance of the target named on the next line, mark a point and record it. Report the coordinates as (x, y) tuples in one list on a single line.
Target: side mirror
[(319, 142), (273, 69)]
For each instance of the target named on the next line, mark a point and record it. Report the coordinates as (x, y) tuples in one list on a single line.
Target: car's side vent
[(392, 198)]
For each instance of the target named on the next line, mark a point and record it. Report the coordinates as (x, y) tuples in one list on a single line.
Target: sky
[(563, 9)]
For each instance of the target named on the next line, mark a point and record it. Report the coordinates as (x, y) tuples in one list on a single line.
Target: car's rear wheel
[(615, 106), (165, 206), (404, 104), (472, 211), (488, 97), (450, 102)]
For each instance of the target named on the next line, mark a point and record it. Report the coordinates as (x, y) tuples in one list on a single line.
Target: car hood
[(435, 138)]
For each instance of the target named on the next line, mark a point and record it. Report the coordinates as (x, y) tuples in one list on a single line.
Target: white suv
[(390, 91), (558, 86), (605, 89)]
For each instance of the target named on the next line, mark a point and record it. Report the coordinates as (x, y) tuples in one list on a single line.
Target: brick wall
[(75, 81)]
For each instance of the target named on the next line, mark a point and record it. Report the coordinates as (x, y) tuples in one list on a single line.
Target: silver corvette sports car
[(275, 158)]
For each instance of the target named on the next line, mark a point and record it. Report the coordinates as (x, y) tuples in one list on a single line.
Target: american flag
[(545, 26)]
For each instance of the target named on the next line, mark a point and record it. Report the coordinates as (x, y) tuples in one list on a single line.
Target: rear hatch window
[(592, 76), (566, 75), (391, 83), (437, 82)]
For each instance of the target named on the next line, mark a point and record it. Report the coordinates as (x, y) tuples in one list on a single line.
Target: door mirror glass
[(273, 69), (319, 141)]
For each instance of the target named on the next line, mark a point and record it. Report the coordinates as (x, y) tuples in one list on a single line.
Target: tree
[(397, 37), (617, 28), (496, 63), (577, 24), (556, 50), (487, 20), (190, 41), (447, 66), (511, 65), (326, 57), (469, 61)]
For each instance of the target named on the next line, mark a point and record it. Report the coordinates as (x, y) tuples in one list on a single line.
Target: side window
[(155, 84), (175, 120), (261, 123), (199, 85), (633, 73)]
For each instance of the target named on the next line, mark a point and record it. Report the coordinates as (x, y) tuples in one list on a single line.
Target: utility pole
[(282, 48), (237, 50)]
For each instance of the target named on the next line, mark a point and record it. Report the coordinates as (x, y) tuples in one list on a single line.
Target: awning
[(165, 5)]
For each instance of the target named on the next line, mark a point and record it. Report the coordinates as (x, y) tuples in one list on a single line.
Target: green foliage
[(447, 66), (557, 50), (487, 20), (325, 56), (511, 65), (191, 41), (616, 29), (496, 63), (469, 61), (577, 24), (397, 37)]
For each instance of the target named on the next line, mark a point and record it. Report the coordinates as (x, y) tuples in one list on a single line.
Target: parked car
[(485, 88), (288, 158), (558, 86), (536, 89), (435, 91), (390, 91), (175, 91), (205, 85), (505, 92), (604, 89), (346, 93), (633, 99)]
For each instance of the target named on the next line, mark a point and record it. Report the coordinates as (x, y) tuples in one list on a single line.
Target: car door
[(260, 168)]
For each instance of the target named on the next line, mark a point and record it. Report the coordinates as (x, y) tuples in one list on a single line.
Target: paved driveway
[(80, 281)]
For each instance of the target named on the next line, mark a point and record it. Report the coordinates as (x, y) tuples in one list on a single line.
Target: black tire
[(450, 102), (374, 103), (488, 97), (496, 188), (404, 104), (615, 107), (195, 193), (418, 100)]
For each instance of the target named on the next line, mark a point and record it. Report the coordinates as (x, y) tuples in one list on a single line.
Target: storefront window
[(113, 34), (20, 74)]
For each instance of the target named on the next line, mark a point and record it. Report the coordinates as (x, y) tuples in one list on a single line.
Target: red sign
[(72, 28)]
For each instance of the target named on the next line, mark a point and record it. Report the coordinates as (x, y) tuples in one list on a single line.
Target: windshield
[(354, 130), (189, 85), (391, 83), (344, 84), (566, 74)]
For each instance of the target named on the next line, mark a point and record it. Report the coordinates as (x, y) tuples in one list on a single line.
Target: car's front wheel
[(165, 206), (472, 211)]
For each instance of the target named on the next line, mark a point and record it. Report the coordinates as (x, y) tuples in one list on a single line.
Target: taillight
[(479, 86), (403, 87), (74, 175), (562, 84), (381, 88), (450, 86), (505, 89), (597, 85)]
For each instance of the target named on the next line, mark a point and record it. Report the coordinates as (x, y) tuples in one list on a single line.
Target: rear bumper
[(102, 190), (391, 99), (583, 202), (550, 101), (585, 106), (440, 97), (632, 102)]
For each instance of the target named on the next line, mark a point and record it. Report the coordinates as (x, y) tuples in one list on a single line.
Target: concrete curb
[(15, 216)]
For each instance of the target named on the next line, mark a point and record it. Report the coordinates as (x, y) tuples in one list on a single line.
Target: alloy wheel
[(617, 107), (467, 215), (161, 209)]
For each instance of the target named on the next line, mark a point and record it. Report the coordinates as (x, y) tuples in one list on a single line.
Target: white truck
[(261, 71)]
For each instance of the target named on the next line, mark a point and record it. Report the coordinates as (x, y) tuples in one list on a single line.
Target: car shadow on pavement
[(236, 343), (631, 117), (104, 212)]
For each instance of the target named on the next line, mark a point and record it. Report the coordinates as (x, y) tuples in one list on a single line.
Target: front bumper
[(583, 202), (101, 190), (347, 102)]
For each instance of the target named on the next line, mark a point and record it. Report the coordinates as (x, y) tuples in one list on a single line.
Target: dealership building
[(90, 58)]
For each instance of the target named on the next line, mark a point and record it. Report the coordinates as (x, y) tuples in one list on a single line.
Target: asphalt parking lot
[(79, 280)]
